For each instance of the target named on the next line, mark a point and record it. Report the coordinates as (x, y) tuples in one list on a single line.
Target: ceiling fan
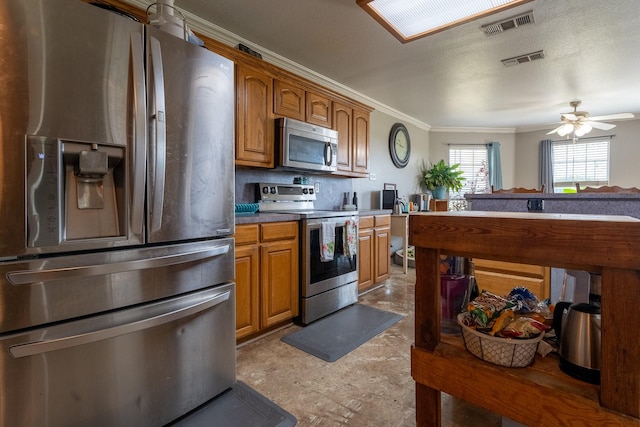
[(580, 123)]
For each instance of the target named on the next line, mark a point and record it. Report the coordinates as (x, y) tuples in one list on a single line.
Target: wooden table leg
[(427, 406)]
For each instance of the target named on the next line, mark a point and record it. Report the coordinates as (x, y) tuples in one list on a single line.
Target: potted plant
[(441, 177)]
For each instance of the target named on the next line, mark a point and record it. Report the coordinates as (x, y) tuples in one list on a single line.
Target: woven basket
[(509, 352)]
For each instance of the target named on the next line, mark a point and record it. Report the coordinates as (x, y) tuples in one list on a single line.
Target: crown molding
[(472, 129), (217, 33)]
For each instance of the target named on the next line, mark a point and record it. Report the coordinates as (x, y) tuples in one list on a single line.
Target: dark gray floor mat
[(332, 337), (241, 406)]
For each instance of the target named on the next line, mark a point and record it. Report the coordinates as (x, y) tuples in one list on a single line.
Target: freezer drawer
[(36, 292), (141, 366)]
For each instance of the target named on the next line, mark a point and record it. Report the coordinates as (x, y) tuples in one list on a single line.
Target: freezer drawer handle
[(26, 277), (39, 347)]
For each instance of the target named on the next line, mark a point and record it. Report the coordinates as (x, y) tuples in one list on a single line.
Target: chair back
[(518, 190), (606, 189)]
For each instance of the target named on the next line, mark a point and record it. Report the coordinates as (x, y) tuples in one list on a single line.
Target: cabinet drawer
[(278, 231), (509, 267), (246, 234), (383, 220), (502, 284), (365, 222)]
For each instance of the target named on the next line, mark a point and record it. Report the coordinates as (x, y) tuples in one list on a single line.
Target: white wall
[(624, 162), (380, 164), (439, 148)]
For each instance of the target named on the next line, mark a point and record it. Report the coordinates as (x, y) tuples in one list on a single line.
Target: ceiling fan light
[(565, 129), (584, 129)]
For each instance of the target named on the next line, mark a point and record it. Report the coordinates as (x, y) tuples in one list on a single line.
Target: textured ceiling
[(455, 78)]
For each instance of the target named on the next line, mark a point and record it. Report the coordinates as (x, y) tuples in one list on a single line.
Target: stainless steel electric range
[(328, 248)]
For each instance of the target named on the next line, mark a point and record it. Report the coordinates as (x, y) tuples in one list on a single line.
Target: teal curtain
[(494, 164), (546, 165)]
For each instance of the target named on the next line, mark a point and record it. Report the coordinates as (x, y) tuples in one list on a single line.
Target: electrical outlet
[(316, 187), (535, 204), (372, 176)]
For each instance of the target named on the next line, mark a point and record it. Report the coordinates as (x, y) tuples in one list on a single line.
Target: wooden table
[(540, 395)]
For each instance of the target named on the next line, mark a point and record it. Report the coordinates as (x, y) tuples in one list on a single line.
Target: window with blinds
[(584, 162), (473, 162)]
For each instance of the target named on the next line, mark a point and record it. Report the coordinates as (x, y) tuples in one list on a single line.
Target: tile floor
[(371, 386)]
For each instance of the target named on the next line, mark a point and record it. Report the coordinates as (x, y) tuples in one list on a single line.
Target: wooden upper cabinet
[(352, 125), (291, 100), (318, 109), (254, 118), (342, 122), (288, 100), (360, 141)]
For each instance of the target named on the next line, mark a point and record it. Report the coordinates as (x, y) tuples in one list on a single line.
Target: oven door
[(321, 276)]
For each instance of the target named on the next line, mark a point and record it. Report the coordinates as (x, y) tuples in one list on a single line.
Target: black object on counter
[(355, 199)]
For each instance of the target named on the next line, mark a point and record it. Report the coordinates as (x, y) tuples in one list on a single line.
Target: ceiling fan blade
[(617, 116), (601, 126), (555, 130), (569, 116)]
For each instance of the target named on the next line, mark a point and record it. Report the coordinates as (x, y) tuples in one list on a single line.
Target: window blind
[(584, 162), (473, 162)]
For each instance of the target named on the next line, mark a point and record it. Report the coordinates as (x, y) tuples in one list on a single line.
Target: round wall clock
[(399, 145)]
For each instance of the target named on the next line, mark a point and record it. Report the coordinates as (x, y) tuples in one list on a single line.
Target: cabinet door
[(254, 120), (247, 290), (318, 109), (501, 284), (365, 259), (279, 281), (360, 141), (288, 100), (342, 122), (383, 262)]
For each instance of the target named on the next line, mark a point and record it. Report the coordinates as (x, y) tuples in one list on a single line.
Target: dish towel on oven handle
[(327, 241), (350, 241)]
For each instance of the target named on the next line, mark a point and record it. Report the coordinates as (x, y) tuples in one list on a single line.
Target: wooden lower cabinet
[(501, 277), (267, 289), (374, 239)]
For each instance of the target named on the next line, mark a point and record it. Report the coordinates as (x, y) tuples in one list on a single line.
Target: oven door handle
[(73, 340), (317, 223)]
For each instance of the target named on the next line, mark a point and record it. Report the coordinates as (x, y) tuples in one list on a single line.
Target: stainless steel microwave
[(303, 146)]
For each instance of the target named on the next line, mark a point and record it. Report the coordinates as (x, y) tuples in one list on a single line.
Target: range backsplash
[(330, 195)]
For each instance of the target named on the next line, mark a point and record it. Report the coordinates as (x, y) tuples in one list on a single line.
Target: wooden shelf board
[(537, 395)]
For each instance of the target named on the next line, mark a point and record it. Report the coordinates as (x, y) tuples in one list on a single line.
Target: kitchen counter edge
[(263, 217)]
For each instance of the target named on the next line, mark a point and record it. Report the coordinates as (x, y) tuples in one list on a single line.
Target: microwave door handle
[(72, 340), (159, 143), (140, 133), (328, 154)]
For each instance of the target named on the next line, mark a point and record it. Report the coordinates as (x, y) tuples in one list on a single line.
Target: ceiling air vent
[(509, 62), (513, 22)]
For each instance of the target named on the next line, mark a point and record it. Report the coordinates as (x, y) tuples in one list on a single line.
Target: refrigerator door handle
[(140, 133), (72, 339), (160, 141), (28, 277)]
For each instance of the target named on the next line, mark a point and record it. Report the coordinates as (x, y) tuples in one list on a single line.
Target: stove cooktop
[(312, 214)]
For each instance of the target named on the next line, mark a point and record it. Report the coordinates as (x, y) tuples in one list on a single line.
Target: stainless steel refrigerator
[(117, 301)]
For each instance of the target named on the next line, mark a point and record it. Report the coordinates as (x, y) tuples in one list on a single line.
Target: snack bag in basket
[(486, 307)]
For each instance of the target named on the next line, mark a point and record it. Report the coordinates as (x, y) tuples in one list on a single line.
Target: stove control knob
[(265, 190), (273, 190), (311, 191), (305, 191)]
